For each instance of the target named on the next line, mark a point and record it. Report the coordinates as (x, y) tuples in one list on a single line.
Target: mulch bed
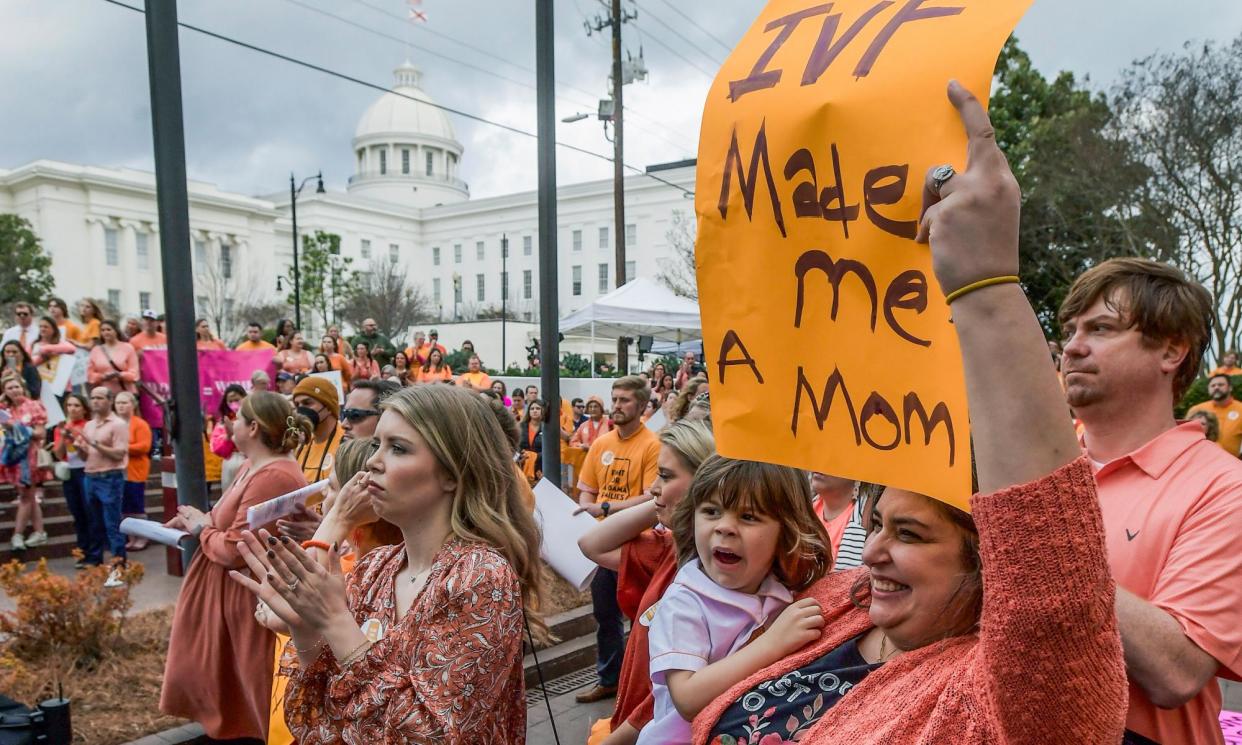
[(118, 700)]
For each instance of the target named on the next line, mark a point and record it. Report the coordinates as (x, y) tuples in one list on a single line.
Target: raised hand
[(262, 584), (971, 220), (314, 591), (352, 504), (798, 625)]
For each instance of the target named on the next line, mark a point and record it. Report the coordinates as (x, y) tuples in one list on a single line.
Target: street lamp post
[(294, 190), (504, 300)]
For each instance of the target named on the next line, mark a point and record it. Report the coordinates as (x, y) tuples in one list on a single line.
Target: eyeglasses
[(23, 314), (357, 415)]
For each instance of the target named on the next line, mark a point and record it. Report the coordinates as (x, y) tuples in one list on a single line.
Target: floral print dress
[(448, 671)]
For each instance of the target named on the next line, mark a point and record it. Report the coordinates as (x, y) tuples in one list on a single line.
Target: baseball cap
[(148, 313), (282, 375)]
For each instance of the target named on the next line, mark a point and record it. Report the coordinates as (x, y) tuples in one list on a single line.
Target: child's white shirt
[(698, 622)]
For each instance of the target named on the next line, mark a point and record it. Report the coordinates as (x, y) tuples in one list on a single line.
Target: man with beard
[(1135, 334), (1228, 411), (619, 469)]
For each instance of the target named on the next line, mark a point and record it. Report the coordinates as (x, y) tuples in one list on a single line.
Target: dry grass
[(118, 699)]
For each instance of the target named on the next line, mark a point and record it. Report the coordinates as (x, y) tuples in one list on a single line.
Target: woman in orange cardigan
[(113, 363), (992, 627)]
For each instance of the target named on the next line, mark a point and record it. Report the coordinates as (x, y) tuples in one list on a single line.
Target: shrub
[(66, 620)]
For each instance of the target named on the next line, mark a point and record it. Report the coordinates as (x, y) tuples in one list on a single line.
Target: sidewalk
[(573, 720)]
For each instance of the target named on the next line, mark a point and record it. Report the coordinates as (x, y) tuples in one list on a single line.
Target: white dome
[(396, 113)]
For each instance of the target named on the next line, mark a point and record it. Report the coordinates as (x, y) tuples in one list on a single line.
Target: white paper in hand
[(153, 531), (658, 421), (561, 529), (282, 506)]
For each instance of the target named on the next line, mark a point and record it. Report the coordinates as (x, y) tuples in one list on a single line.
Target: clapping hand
[(301, 525), (307, 595)]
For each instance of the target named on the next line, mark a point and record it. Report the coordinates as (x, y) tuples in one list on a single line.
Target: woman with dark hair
[(50, 351), (113, 363), (222, 444), (363, 366), (294, 358), (401, 368), (502, 392), (204, 338), (531, 431), (59, 313), (218, 670), (19, 363), (284, 333), (993, 626), (92, 317), (434, 370), (322, 364)]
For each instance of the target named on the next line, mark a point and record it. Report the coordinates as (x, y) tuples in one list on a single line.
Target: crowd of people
[(1091, 594)]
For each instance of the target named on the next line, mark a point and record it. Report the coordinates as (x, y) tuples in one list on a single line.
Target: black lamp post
[(294, 190)]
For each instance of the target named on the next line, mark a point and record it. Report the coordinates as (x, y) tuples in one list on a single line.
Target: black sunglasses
[(357, 415)]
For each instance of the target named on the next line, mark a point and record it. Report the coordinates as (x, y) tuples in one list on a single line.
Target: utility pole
[(168, 131), (617, 18), (549, 314)]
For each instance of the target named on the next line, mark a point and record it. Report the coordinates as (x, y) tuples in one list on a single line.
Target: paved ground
[(573, 720)]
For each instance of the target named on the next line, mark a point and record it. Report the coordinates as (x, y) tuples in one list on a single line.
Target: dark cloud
[(73, 80)]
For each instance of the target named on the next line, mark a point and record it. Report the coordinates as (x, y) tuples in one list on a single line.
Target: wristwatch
[(604, 507)]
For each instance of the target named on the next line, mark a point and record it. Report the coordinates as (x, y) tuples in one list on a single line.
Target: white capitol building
[(405, 200)]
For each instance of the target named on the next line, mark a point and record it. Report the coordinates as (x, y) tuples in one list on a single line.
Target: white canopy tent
[(641, 307)]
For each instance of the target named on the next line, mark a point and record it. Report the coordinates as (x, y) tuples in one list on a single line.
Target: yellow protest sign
[(828, 340)]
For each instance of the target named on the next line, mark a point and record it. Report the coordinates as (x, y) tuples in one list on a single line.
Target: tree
[(224, 291), (324, 277), (1082, 182), (384, 293), (677, 271), (27, 268), (1183, 113)]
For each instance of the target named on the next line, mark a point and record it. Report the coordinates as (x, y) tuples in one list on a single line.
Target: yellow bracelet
[(1007, 279)]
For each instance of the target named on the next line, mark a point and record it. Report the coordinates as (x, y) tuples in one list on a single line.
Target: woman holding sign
[(995, 626), (219, 671)]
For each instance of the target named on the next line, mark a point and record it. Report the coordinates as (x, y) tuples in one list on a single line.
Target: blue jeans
[(83, 517), (103, 497), (610, 634)]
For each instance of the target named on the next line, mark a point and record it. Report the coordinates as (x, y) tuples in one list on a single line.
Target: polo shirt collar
[(694, 578), (1155, 457)]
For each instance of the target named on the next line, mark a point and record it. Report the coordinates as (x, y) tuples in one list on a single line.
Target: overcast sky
[(73, 77)]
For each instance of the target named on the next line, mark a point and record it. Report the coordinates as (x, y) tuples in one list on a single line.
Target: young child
[(747, 539)]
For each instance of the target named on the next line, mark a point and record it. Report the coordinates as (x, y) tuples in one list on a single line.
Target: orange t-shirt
[(1230, 371), (431, 376), (1172, 516), (254, 346), (617, 468), (147, 341), (478, 379), (139, 467), (212, 344), (836, 526), (1230, 418)]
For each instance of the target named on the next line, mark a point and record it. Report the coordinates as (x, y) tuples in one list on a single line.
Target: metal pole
[(168, 133), (504, 301), (297, 279), (549, 363), (618, 162)]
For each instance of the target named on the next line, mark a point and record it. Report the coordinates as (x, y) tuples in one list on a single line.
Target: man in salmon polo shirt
[(1135, 334)]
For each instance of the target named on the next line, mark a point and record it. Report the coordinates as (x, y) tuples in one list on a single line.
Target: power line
[(710, 75), (692, 22), (485, 71), (678, 34), (373, 86)]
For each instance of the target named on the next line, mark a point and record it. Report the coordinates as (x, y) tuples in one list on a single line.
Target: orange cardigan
[(1045, 665)]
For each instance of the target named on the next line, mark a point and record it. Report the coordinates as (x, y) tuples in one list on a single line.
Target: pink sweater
[(1045, 665)]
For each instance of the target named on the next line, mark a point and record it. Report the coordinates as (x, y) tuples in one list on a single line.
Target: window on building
[(603, 278), (456, 253), (577, 281), (111, 253), (631, 235), (226, 261), (394, 252), (577, 237), (431, 162), (405, 161), (526, 284), (144, 301), (365, 251), (480, 251), (200, 255), (228, 307), (504, 247), (527, 316), (603, 238), (142, 248), (435, 256), (527, 245), (630, 271), (480, 283), (383, 162), (435, 290), (114, 299)]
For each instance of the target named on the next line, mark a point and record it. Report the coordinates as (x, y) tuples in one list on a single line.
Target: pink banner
[(217, 369), (1231, 726)]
